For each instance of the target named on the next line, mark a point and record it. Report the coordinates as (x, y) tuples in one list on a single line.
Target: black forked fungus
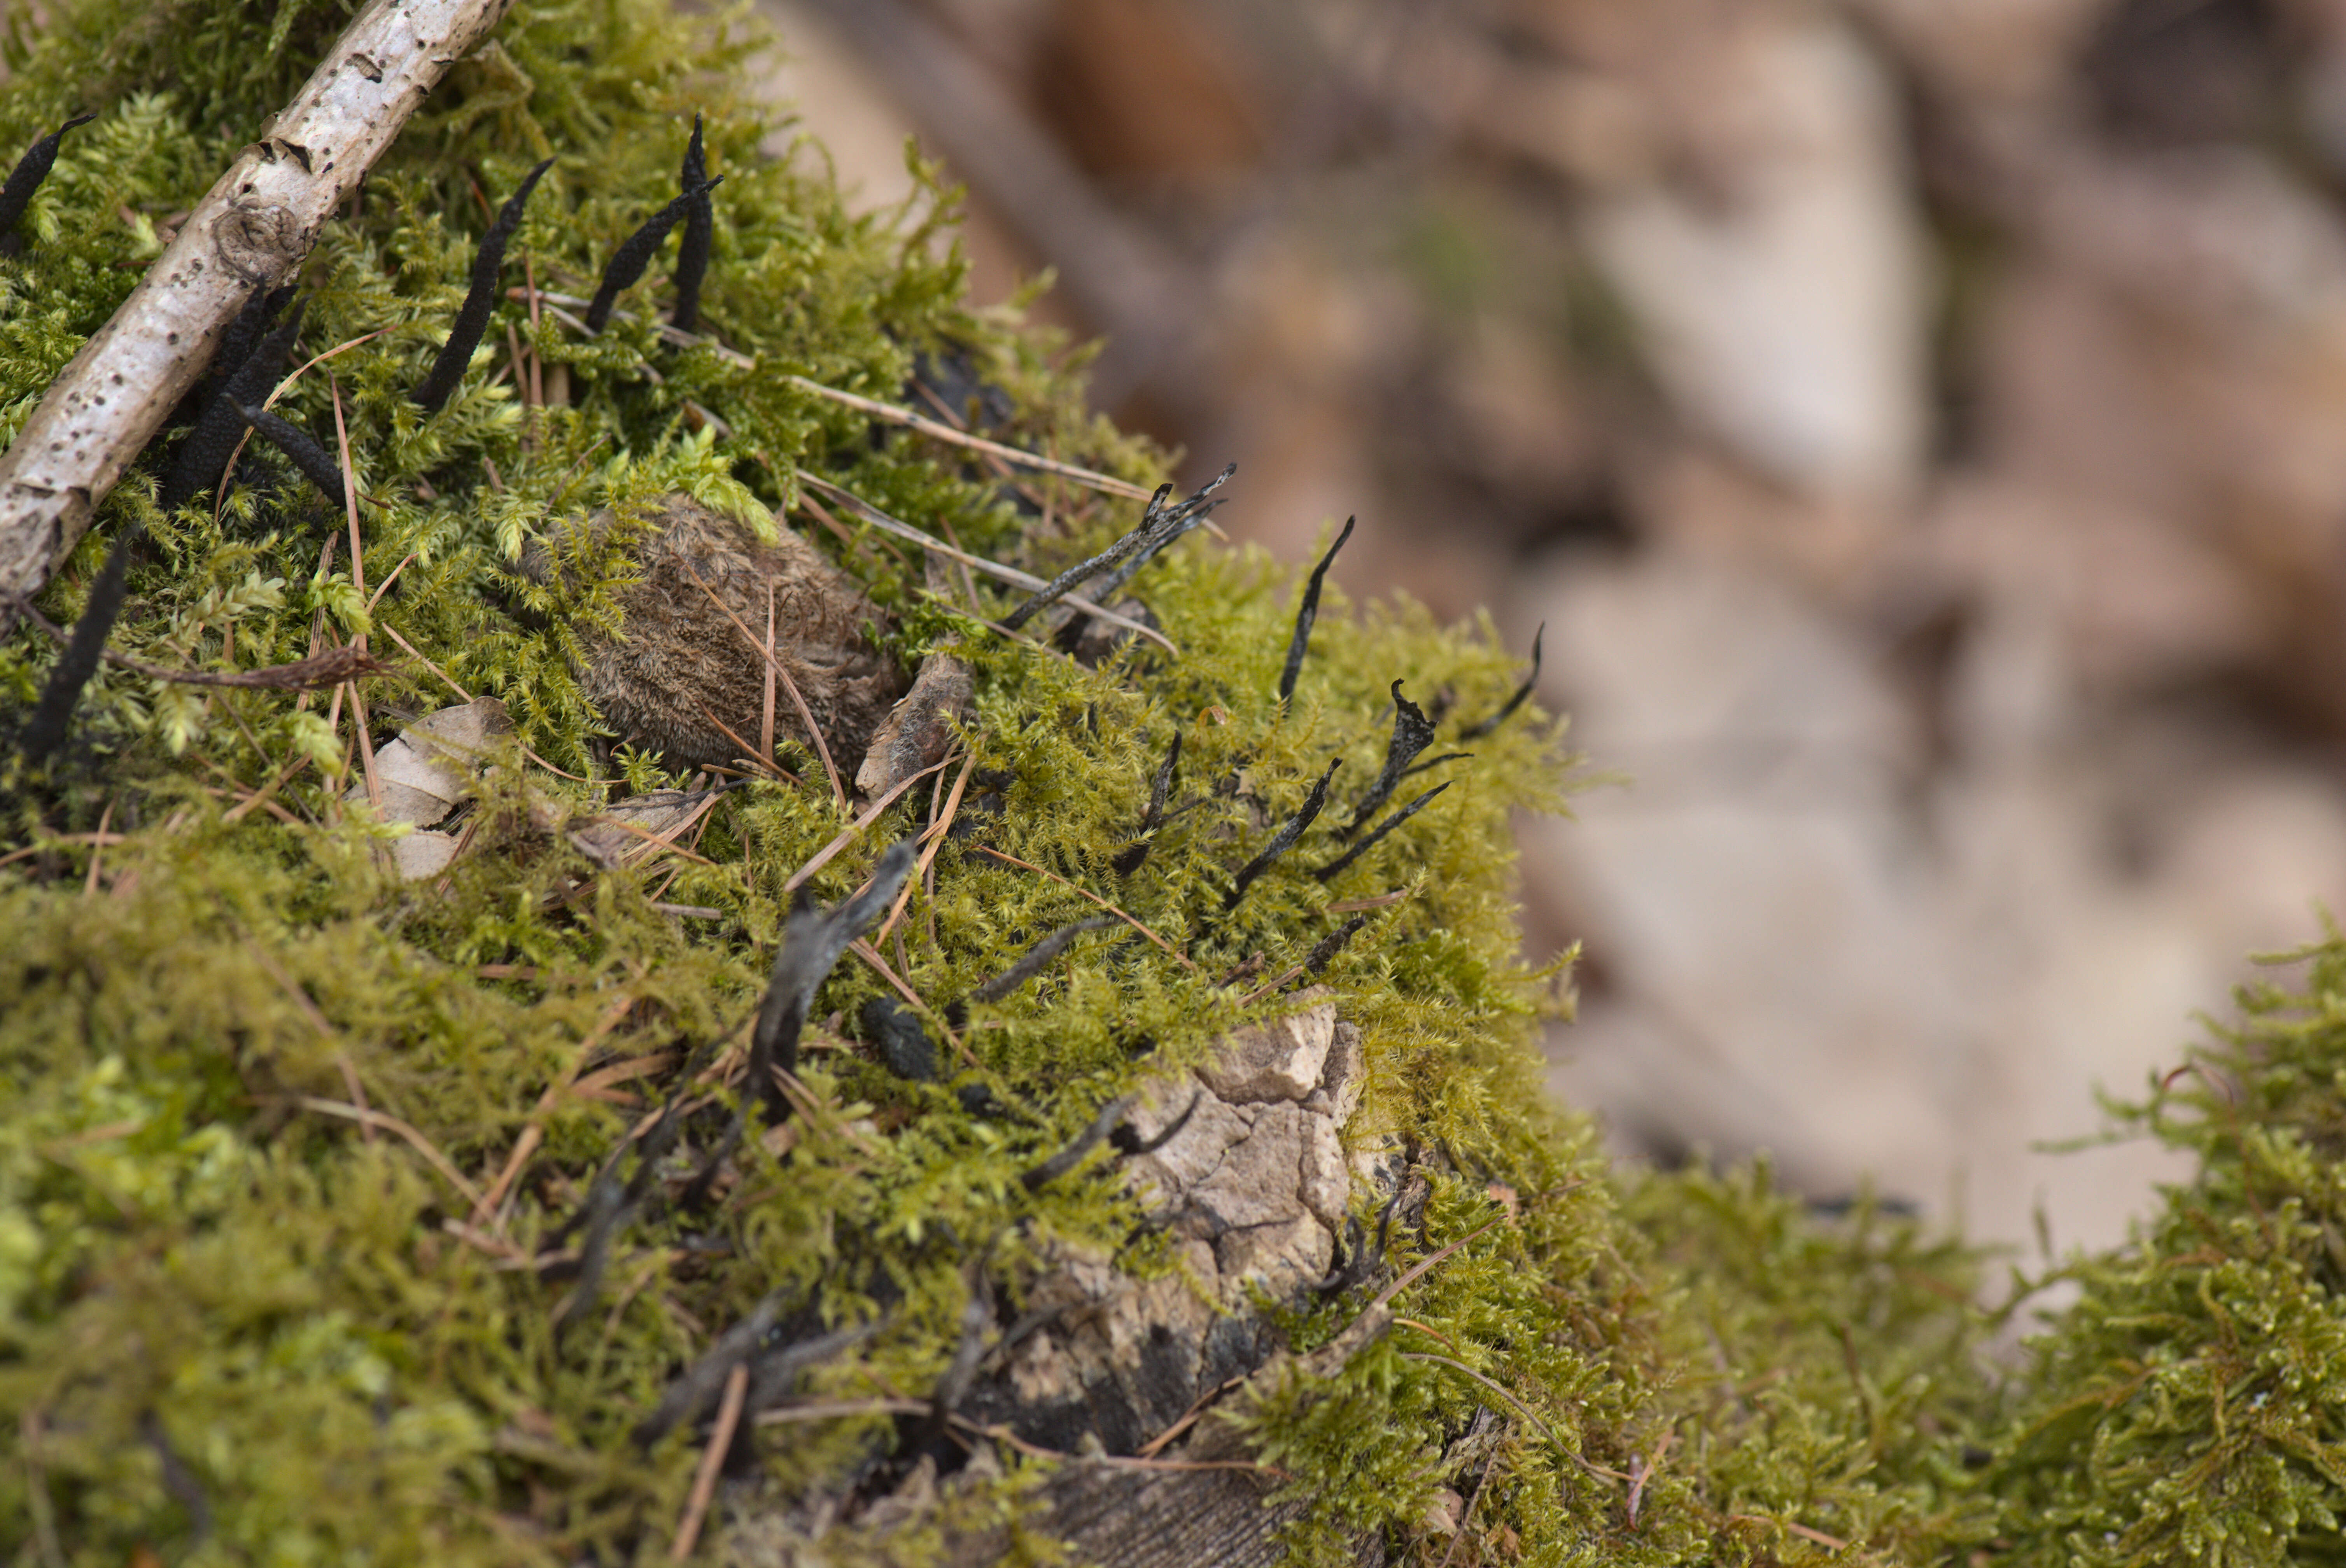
[(1159, 525), (1412, 733), (1307, 613), (699, 229), (46, 729), (318, 468), (635, 253), (1515, 701), (1387, 826), (1284, 840), (204, 450), (30, 170), (472, 316)]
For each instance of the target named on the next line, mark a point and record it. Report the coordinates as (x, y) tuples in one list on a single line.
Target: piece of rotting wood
[(252, 229)]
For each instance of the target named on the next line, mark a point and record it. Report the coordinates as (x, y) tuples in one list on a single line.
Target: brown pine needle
[(98, 848), (1029, 865), (1431, 1260), (358, 580), (388, 1124), (774, 669), (712, 1460), (749, 752), (1251, 997), (938, 828), (847, 835), (1011, 574), (445, 679), (665, 839), (766, 707), (534, 1133)]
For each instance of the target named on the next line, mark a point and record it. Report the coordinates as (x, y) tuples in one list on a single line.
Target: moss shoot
[(299, 1161)]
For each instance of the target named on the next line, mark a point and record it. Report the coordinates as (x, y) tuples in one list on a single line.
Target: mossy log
[(468, 1100)]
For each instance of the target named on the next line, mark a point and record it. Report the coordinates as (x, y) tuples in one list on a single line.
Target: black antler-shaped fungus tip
[(1284, 840), (472, 316), (635, 253), (30, 170), (1412, 733), (316, 465), (204, 450), (1515, 701), (699, 230), (1159, 525), (47, 730), (1307, 613)]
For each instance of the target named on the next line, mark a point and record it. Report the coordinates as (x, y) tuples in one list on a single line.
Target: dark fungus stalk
[(1128, 859), (1387, 826), (295, 442), (236, 343), (30, 170), (1325, 949), (1417, 767), (204, 450), (1159, 525), (1284, 840), (1040, 954), (635, 253), (71, 673), (1111, 1116), (472, 316), (812, 942), (699, 229), (1515, 701), (1308, 613), (1412, 733)]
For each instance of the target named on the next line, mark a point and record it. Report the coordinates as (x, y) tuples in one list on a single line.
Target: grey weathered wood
[(252, 228)]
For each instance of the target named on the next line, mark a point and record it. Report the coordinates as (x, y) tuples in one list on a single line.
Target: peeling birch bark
[(252, 228)]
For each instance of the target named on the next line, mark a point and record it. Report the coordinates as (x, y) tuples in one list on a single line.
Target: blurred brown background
[(1921, 425)]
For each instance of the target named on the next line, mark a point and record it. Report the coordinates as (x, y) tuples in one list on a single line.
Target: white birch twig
[(252, 228)]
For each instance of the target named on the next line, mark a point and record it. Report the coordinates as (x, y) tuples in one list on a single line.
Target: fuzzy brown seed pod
[(682, 671)]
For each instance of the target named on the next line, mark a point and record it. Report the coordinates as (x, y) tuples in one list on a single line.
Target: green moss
[(251, 1304)]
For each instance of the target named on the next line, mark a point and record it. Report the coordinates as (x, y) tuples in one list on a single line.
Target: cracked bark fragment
[(1249, 1173)]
